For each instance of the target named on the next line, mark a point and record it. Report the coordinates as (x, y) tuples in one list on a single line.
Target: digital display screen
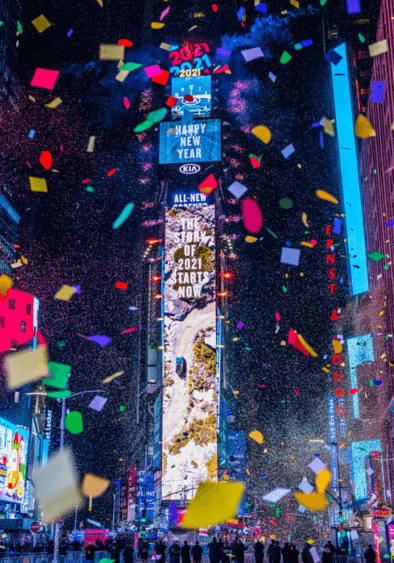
[(189, 397), (198, 96), (195, 142), (13, 454)]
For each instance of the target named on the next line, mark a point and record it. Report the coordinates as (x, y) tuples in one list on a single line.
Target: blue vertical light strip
[(359, 451), (360, 350), (218, 368), (333, 440), (349, 173), (162, 312)]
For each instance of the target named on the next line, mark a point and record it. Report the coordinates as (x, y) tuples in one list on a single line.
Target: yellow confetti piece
[(283, 343), (94, 486), (313, 501), (378, 48), (122, 75), (250, 239), (112, 377), (295, 3), (235, 392), (111, 52), (38, 184), (381, 313), (328, 127), (256, 436), (322, 480), (310, 541), (304, 218), (41, 23), (157, 25), (24, 260), (214, 503), (308, 244), (262, 133), (5, 284), (54, 103), (326, 370), (32, 99), (65, 293), (337, 346), (363, 128), (326, 196), (248, 472), (306, 345), (101, 3)]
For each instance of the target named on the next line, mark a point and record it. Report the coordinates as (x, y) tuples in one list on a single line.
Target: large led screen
[(13, 457), (189, 399), (193, 94), (198, 141)]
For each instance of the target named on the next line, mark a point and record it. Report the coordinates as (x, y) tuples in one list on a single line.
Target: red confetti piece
[(126, 103), (86, 181), (277, 316), (128, 330), (46, 160), (296, 392), (214, 8), (353, 391), (171, 101), (121, 285), (111, 172), (262, 386), (125, 42), (61, 147)]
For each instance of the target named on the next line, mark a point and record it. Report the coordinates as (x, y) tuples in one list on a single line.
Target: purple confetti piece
[(70, 33), (390, 224), (306, 43), (224, 52), (100, 340), (240, 324)]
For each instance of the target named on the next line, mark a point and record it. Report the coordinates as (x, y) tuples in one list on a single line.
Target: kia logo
[(189, 168)]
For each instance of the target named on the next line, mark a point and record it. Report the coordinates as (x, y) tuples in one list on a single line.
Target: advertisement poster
[(198, 141), (13, 454), (189, 434), (193, 94)]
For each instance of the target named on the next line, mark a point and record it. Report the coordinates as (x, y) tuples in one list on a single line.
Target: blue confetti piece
[(336, 228), (321, 140), (390, 224), (70, 33), (378, 382), (306, 43), (31, 134), (262, 8), (240, 13), (223, 52)]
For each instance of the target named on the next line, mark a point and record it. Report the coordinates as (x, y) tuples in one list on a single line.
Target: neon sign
[(191, 57)]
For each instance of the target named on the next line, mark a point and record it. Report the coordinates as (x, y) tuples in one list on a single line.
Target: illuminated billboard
[(189, 431), (198, 141), (13, 457), (193, 94)]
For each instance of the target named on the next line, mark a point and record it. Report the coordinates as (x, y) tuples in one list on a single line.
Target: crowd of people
[(219, 551)]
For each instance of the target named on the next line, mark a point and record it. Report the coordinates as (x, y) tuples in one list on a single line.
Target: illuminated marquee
[(189, 435), (195, 142)]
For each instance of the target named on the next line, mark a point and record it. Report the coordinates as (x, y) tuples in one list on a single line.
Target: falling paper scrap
[(290, 256), (26, 366), (97, 403), (276, 495), (65, 293), (214, 503), (41, 23), (305, 486), (38, 184), (237, 189), (252, 54), (44, 78), (56, 485), (91, 144), (287, 151), (111, 52), (93, 486), (256, 436)]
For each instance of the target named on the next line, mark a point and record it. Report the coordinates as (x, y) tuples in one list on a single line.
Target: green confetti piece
[(277, 512), (20, 29), (125, 214), (361, 37), (130, 66), (90, 189), (272, 505), (286, 203), (122, 408), (376, 256), (371, 382), (385, 267), (271, 233), (285, 58), (60, 374), (284, 289), (73, 422), (1, 23), (61, 344), (323, 2), (248, 348), (343, 533), (59, 394)]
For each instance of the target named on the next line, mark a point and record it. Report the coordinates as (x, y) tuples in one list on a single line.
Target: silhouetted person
[(185, 553)]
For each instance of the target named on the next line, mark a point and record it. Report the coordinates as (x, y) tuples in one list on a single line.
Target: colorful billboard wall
[(13, 454), (189, 436), (198, 141)]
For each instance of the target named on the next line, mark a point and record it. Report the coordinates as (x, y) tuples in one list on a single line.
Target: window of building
[(23, 326), (2, 322), (28, 308), (14, 343), (11, 304)]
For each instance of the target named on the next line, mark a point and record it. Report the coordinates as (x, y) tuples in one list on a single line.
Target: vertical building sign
[(189, 434), (158, 430), (132, 493)]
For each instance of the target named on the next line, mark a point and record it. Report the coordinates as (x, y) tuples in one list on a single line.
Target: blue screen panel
[(199, 87), (353, 6), (195, 142), (359, 452), (358, 354), (349, 173)]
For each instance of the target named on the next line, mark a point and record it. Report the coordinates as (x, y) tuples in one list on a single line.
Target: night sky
[(68, 238)]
